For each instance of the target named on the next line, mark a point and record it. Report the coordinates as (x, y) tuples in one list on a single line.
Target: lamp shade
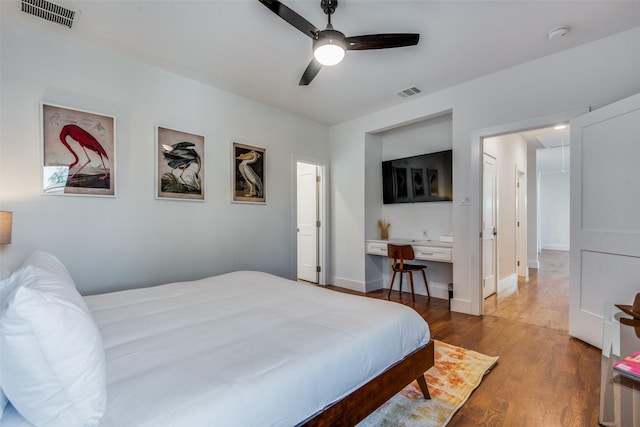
[(5, 227), (329, 48)]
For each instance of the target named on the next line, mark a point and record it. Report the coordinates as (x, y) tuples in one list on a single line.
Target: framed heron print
[(249, 174), (179, 165), (78, 152)]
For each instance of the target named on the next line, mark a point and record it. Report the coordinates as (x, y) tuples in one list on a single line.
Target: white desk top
[(413, 242)]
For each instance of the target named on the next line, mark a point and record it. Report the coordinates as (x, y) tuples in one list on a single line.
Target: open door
[(489, 227), (605, 215), (308, 222), (521, 224)]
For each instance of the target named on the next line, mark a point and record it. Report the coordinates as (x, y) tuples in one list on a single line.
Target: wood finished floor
[(544, 377)]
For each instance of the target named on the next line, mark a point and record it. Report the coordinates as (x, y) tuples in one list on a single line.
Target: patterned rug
[(452, 379)]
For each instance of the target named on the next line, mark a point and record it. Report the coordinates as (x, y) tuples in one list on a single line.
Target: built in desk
[(619, 396), (427, 250)]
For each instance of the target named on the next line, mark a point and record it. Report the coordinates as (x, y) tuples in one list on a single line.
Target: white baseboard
[(349, 284), (533, 264), (561, 247), (373, 285), (508, 282)]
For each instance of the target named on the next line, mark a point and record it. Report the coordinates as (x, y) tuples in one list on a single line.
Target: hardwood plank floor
[(544, 377)]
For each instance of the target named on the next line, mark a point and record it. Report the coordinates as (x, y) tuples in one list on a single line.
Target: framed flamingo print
[(78, 152), (179, 165), (249, 174)]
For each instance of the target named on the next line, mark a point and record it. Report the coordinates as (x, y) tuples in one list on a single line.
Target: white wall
[(554, 190), (532, 210), (554, 210), (133, 239), (594, 75)]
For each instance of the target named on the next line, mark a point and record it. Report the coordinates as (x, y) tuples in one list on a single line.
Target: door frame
[(522, 269), (323, 233), (477, 150)]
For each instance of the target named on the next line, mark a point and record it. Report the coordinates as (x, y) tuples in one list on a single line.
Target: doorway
[(310, 221), (516, 209)]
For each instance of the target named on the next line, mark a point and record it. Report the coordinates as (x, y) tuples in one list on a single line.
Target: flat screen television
[(423, 178)]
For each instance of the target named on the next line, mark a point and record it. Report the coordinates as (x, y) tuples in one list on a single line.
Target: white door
[(307, 222), (521, 224), (489, 231), (605, 215)]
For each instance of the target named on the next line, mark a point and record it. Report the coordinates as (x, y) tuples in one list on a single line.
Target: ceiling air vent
[(49, 11), (405, 93)]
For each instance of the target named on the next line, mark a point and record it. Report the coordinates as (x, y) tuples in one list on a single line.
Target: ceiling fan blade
[(291, 17), (312, 70), (381, 41)]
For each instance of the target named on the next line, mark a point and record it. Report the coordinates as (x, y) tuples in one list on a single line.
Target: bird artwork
[(253, 182), (185, 163), (86, 141)]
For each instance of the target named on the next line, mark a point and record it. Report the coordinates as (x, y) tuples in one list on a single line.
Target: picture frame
[(418, 182), (78, 151), (401, 183), (180, 165), (249, 178), (432, 177)]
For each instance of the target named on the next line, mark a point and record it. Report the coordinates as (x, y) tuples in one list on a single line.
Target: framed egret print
[(179, 165), (249, 174), (78, 152)]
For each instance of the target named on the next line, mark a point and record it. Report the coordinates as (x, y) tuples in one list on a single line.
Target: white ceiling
[(242, 47)]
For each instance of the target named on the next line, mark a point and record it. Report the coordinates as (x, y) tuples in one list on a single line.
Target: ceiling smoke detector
[(558, 32)]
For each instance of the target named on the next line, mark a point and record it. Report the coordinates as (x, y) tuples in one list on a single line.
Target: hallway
[(542, 301)]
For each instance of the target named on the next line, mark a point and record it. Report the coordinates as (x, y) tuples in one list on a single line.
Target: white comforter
[(243, 349)]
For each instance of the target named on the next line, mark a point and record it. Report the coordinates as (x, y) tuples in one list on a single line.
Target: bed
[(244, 349)]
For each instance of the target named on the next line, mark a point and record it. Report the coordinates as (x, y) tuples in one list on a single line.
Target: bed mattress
[(242, 349)]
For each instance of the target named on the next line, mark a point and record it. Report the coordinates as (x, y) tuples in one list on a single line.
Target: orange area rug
[(451, 380)]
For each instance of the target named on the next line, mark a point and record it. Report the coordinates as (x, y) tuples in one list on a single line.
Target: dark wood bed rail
[(355, 407)]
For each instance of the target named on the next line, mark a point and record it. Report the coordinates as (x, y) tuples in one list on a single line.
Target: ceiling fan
[(329, 45)]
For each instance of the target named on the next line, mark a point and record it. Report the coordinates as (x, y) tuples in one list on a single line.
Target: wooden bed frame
[(355, 407)]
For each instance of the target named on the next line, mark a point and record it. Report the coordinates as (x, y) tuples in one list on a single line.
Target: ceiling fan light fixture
[(329, 49)]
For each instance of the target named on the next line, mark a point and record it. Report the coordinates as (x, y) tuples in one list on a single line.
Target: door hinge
[(318, 269), (518, 263), (318, 224), (481, 234), (318, 178)]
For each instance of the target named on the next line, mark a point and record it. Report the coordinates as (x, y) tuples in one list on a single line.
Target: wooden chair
[(400, 254)]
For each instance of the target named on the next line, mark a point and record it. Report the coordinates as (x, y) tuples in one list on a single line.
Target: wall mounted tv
[(423, 178)]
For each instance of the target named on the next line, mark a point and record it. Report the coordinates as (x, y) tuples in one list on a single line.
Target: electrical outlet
[(425, 232)]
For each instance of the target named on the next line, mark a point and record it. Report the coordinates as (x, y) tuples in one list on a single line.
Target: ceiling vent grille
[(405, 93), (49, 11)]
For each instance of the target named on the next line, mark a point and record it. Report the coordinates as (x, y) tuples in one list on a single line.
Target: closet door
[(605, 214)]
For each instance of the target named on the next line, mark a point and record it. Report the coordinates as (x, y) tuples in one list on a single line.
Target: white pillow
[(48, 262), (52, 364), (3, 402), (6, 288)]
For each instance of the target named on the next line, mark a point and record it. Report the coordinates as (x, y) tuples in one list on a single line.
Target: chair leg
[(413, 295), (393, 277), (426, 284)]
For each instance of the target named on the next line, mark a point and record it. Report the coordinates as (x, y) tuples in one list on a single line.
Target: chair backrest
[(400, 253)]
